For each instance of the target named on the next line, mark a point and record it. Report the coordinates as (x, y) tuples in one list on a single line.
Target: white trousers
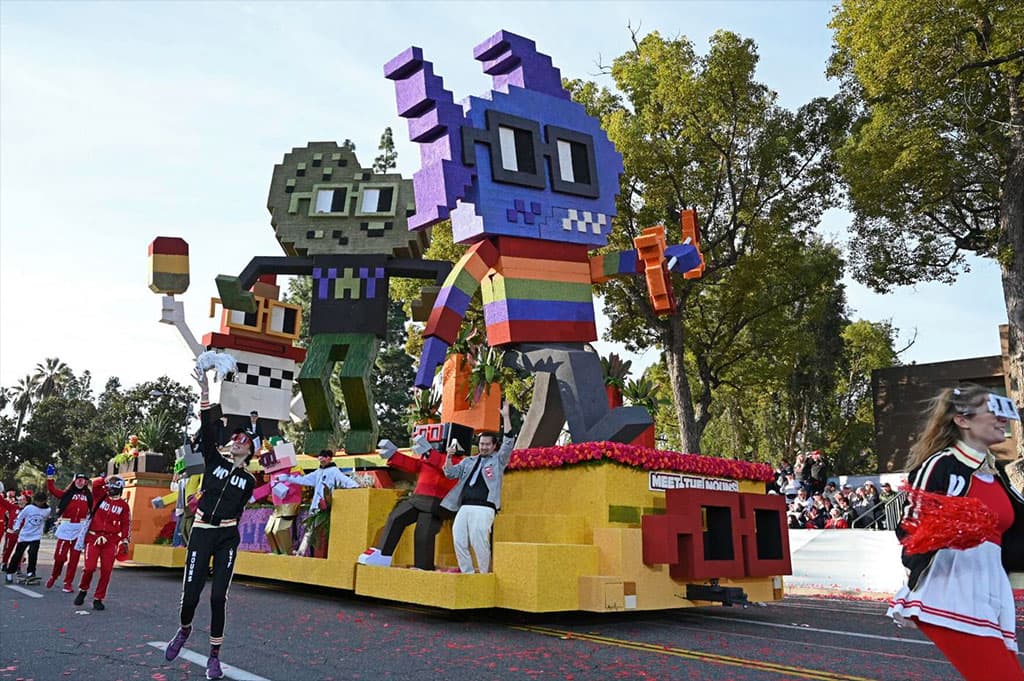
[(472, 527)]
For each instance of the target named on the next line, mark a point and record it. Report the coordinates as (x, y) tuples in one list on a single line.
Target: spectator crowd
[(815, 502)]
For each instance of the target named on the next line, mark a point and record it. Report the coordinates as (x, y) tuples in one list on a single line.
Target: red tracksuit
[(431, 481), (422, 507), (75, 511), (111, 520), (8, 514)]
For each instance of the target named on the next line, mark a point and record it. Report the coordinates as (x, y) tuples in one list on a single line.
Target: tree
[(119, 413), (700, 132), (22, 399), (935, 158), (79, 386), (773, 382), (393, 388), (54, 408), (53, 428), (29, 477), (388, 157), (163, 400), (8, 456), (666, 422), (806, 392), (51, 376), (850, 437), (802, 407)]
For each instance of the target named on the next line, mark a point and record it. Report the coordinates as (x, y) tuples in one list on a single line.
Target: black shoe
[(80, 598), (98, 605)]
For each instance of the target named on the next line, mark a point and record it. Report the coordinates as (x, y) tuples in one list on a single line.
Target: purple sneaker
[(213, 670), (174, 647)]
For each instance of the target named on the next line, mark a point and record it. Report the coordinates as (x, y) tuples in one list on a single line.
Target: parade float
[(594, 526), (529, 182)]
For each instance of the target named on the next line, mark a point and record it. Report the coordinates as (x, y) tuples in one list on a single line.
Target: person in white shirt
[(791, 488), (29, 524), (324, 479)]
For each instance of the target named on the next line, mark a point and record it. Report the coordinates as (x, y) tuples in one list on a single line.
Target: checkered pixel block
[(264, 376), (261, 382), (584, 221)]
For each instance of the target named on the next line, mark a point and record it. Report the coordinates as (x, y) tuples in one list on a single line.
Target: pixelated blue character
[(529, 181)]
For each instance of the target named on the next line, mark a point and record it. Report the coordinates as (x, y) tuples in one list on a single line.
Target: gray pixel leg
[(575, 370), (541, 427)]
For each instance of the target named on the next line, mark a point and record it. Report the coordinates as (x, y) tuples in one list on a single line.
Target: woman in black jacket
[(227, 487), (961, 598)]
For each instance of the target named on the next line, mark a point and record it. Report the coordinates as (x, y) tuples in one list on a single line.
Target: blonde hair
[(940, 431)]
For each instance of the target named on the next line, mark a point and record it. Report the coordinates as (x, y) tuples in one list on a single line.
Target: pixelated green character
[(347, 227)]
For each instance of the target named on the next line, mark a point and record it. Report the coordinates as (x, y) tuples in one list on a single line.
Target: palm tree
[(51, 375), (5, 397), (22, 396)]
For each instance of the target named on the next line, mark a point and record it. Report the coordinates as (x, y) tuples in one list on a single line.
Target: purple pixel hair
[(433, 118), (527, 94), (511, 59)]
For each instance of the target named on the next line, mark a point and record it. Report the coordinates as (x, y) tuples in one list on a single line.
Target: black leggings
[(19, 551), (222, 544), (428, 515)]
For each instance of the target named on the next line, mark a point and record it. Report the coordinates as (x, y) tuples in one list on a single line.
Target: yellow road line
[(698, 655)]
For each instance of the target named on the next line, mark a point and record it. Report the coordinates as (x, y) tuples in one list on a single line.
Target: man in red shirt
[(422, 507), (109, 529)]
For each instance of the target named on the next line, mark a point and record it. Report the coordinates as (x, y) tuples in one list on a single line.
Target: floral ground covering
[(638, 457)]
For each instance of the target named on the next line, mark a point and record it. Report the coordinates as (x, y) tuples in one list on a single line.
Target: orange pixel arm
[(650, 249), (691, 231)]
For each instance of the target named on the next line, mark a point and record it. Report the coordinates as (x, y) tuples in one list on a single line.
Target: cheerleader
[(73, 506), (960, 596)]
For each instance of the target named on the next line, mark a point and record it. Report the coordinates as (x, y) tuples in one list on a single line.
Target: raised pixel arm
[(414, 268), (234, 291), (450, 307), (655, 260), (421, 269), (434, 123), (511, 59)]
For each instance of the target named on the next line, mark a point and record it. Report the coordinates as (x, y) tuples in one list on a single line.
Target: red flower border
[(638, 457)]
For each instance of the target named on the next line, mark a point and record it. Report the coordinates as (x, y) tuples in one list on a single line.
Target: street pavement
[(280, 632)]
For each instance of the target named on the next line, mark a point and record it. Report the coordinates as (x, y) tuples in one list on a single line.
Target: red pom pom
[(939, 521), (167, 531)]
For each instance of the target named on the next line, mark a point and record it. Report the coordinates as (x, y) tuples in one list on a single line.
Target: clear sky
[(120, 122)]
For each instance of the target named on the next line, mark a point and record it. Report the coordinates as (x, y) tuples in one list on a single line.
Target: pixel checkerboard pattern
[(263, 376)]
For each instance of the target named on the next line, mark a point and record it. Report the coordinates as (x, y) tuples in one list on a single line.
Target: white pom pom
[(221, 362)]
